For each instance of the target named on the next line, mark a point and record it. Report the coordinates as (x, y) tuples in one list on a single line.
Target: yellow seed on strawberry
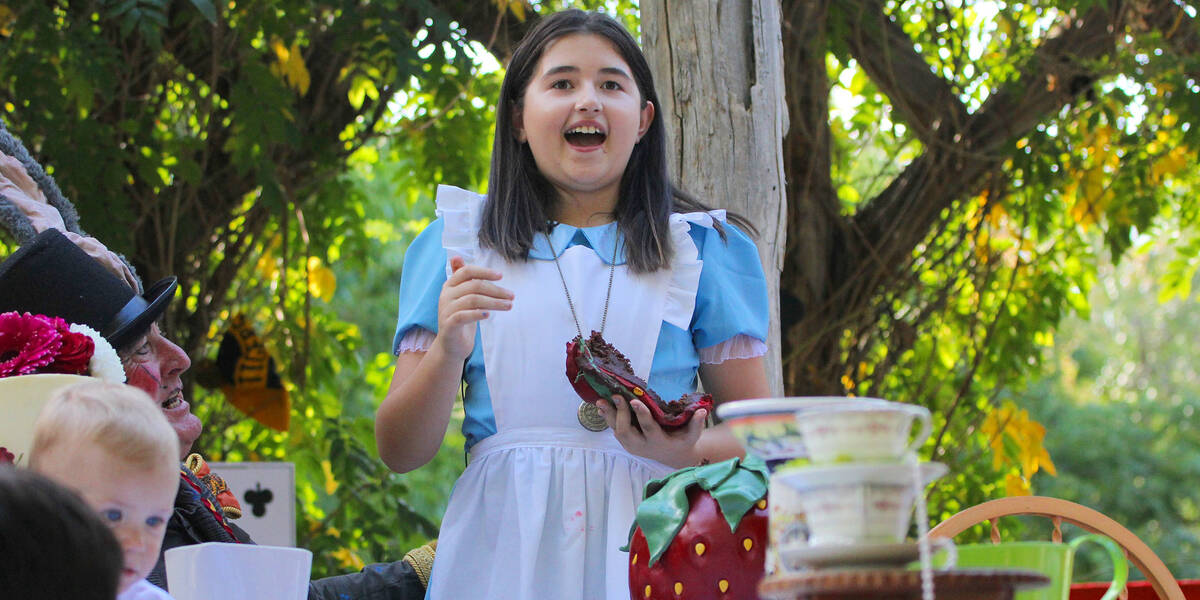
[(700, 549), (747, 544), (647, 591), (678, 588), (634, 561), (723, 585), (637, 391), (762, 504)]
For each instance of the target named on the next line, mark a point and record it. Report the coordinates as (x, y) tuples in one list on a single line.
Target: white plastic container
[(222, 571)]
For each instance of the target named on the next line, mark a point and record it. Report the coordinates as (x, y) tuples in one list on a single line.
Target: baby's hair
[(521, 200), (120, 419)]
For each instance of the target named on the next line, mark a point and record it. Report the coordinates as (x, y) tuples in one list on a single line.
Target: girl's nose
[(587, 102)]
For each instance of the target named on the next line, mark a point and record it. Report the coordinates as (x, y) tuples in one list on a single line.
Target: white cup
[(238, 572), (855, 430), (856, 504), (786, 525)]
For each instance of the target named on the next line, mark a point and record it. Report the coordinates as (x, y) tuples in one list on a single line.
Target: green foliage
[(278, 157), (353, 510), (241, 146), (1120, 397), (977, 306)]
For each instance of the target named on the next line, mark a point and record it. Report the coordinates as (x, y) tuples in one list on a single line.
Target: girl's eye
[(610, 85), (112, 515), (155, 521), (561, 84)]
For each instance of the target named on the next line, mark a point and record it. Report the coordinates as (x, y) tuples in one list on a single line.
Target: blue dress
[(544, 505)]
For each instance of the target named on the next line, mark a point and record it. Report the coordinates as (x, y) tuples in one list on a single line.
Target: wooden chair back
[(1058, 511)]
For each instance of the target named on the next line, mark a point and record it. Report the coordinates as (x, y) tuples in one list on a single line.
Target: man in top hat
[(52, 276)]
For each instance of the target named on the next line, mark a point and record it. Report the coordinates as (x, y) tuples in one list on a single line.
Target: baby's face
[(135, 503)]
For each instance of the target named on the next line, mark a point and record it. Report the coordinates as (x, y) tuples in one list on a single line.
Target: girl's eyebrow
[(616, 71)]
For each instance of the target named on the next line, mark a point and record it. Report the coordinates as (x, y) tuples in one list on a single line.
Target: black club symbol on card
[(258, 498)]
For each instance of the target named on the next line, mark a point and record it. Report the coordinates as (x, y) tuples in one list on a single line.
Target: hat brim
[(21, 400), (157, 297)]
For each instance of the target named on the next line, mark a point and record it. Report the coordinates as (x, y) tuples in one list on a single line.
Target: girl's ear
[(647, 117), (518, 124)]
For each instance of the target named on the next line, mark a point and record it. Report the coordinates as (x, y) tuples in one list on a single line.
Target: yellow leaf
[(322, 282), (295, 70), (281, 51), (1088, 205), (1015, 485), (267, 266), (289, 65), (331, 484), (1170, 163), (348, 559), (7, 18)]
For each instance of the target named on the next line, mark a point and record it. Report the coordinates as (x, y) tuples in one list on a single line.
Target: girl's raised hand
[(467, 297), (675, 449)]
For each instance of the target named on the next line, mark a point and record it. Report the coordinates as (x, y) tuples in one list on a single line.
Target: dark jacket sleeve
[(386, 581)]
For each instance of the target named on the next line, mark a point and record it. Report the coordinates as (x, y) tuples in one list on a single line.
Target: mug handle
[(923, 416), (947, 545), (1119, 564)]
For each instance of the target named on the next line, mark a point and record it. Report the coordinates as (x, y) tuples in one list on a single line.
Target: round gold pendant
[(590, 418)]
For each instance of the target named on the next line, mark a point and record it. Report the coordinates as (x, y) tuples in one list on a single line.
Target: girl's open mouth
[(585, 136)]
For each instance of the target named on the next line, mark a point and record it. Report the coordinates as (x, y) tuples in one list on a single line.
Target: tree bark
[(718, 67)]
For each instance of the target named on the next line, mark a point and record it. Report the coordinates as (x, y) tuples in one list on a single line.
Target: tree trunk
[(718, 67)]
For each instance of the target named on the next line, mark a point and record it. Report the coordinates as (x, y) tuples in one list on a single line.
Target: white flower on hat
[(104, 364)]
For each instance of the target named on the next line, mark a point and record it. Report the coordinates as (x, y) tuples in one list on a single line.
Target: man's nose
[(176, 360)]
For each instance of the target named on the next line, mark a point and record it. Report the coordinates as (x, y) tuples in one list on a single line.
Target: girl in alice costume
[(581, 230)]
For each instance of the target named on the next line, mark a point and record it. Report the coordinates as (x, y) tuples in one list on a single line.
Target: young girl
[(581, 230)]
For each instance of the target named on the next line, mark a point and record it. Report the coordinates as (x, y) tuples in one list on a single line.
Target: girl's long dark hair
[(521, 200)]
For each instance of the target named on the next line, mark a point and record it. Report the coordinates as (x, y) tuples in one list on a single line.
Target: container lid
[(888, 473), (792, 404)]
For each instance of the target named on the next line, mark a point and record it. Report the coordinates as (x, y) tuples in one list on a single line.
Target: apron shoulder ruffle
[(686, 266)]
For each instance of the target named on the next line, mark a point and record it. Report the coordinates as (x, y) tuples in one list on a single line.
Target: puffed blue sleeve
[(731, 298), (421, 283)]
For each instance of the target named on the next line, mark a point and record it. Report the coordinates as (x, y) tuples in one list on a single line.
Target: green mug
[(1054, 560)]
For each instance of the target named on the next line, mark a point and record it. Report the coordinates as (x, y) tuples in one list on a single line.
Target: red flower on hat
[(27, 343), (31, 344), (76, 351)]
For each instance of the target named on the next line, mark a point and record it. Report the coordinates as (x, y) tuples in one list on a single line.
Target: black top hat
[(52, 276)]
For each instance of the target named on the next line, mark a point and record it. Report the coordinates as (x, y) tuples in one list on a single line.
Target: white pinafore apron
[(544, 505)]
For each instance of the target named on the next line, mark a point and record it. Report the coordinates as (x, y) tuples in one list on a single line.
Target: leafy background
[(279, 157)]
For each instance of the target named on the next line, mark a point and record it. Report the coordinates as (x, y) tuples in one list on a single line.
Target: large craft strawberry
[(701, 532), (598, 370)]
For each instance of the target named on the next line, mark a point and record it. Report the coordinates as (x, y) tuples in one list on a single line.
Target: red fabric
[(1138, 590), (217, 512)]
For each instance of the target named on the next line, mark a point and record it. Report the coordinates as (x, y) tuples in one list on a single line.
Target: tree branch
[(1167, 17), (922, 99), (1060, 70)]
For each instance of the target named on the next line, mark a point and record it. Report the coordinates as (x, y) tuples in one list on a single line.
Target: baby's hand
[(467, 297), (675, 449)]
